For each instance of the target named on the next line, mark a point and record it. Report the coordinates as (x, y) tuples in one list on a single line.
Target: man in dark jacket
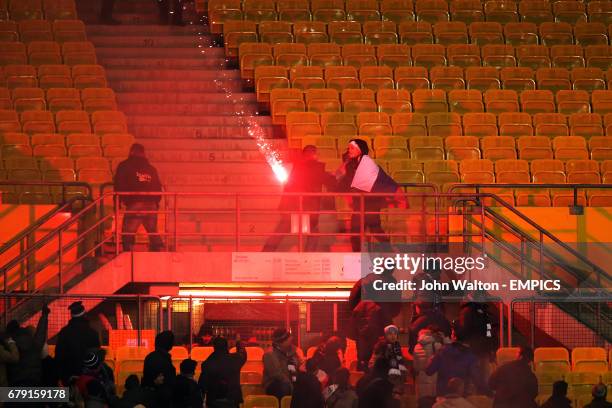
[(514, 383), (308, 176), (558, 399), (369, 318), (74, 341), (220, 377), (456, 360), (307, 389), (375, 390), (281, 365), (136, 174), (160, 361), (186, 392), (599, 397), (27, 371)]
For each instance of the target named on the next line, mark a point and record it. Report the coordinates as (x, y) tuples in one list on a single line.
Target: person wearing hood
[(429, 342), (599, 393), (27, 370), (558, 399), (159, 362), (136, 174), (220, 378), (74, 341), (359, 173)]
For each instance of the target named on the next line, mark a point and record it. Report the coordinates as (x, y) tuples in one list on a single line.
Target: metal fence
[(540, 322)]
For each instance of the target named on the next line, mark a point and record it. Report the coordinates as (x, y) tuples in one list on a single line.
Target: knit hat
[(91, 360), (77, 309), (391, 329), (279, 335), (599, 391), (361, 144)]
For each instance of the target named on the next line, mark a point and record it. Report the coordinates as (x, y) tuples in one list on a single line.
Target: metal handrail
[(41, 221), (62, 184)]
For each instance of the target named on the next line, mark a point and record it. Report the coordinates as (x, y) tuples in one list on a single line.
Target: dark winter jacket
[(276, 366), (186, 393), (455, 360), (73, 342), (135, 396), (376, 391), (599, 403), (158, 361), (28, 369), (307, 176), (220, 378), (136, 174), (515, 385), (307, 392), (557, 402), (477, 325)]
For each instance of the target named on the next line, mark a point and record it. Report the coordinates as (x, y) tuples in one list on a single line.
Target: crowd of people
[(446, 362)]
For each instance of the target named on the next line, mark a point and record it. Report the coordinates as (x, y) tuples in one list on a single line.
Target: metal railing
[(63, 186)]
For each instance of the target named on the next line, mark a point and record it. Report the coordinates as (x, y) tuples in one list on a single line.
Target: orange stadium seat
[(468, 11), (415, 32)]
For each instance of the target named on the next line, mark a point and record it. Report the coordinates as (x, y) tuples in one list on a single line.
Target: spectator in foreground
[(307, 391), (426, 314), (136, 174), (514, 384), (220, 377), (96, 396), (27, 371), (159, 362), (456, 360), (9, 354), (328, 357), (134, 394), (74, 341), (375, 390), (281, 365), (94, 370), (307, 176), (186, 392), (430, 341), (599, 397), (389, 347), (477, 322), (558, 399), (454, 396), (340, 394)]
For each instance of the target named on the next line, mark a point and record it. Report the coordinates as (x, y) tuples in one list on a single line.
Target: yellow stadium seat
[(462, 147), (289, 55), (327, 11), (429, 101), (324, 54), (428, 55), (37, 122), (341, 77), (267, 78), (482, 78), (555, 354), (310, 32), (523, 33), (390, 147), (88, 76), (236, 32), (498, 56), (78, 53), (260, 401), (35, 30), (426, 148), (131, 353), (518, 78), (54, 76), (501, 11), (581, 383), (110, 121), (538, 101), (398, 11), (376, 78), (338, 123), (293, 10), (251, 390), (98, 99), (283, 101), (373, 123), (409, 124), (20, 76), (362, 10), (484, 33), (554, 79), (499, 101), (358, 100), (359, 55), (411, 78), (506, 354), (64, 99), (546, 379), (534, 147), (447, 78), (69, 30), (286, 402), (393, 55), (345, 32), (25, 9), (380, 33), (250, 377), (326, 145), (447, 32), (393, 100), (322, 100), (200, 354), (498, 147)]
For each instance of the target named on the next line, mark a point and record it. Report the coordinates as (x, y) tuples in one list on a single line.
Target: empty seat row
[(47, 53), (501, 11), (53, 76), (19, 10), (354, 100), (515, 124), (42, 30), (56, 99), (426, 148), (401, 81), (426, 55), (422, 32), (65, 141), (66, 121)]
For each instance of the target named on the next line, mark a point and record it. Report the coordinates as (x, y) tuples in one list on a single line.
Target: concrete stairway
[(182, 104)]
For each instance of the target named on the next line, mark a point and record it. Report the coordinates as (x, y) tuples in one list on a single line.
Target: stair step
[(134, 98), (168, 174), (198, 132), (144, 29), (199, 156), (219, 85), (188, 109), (150, 41), (213, 167), (210, 120), (191, 52), (171, 74), (220, 146), (174, 63)]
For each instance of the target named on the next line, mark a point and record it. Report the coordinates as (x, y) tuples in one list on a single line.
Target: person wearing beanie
[(390, 349), (160, 361), (73, 342), (281, 365), (136, 174), (359, 173), (186, 392), (94, 370), (599, 394), (220, 378)]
